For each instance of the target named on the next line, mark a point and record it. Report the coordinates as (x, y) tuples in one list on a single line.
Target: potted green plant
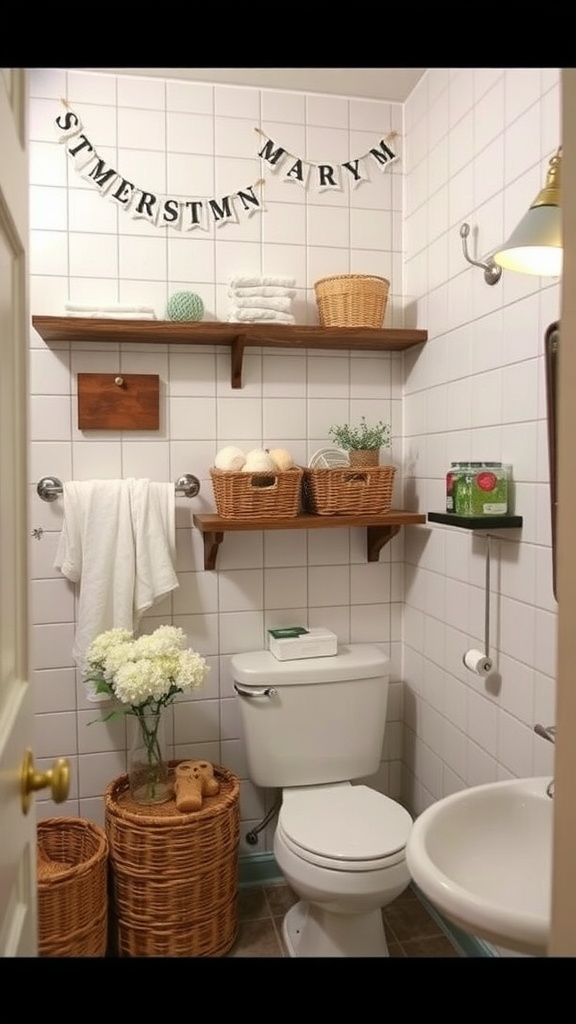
[(362, 441)]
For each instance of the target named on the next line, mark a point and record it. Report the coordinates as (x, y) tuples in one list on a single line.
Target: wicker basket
[(345, 492), (174, 876), (352, 300), (72, 888), (262, 495)]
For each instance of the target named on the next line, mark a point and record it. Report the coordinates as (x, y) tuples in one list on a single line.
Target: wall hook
[(492, 272)]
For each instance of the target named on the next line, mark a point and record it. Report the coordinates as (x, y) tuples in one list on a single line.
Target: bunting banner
[(184, 212), (326, 176), (189, 213)]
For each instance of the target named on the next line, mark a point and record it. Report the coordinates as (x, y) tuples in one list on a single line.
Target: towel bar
[(50, 487)]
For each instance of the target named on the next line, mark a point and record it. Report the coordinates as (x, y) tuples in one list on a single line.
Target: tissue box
[(293, 642)]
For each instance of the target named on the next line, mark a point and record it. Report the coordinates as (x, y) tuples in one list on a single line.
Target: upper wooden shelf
[(236, 336), (379, 528)]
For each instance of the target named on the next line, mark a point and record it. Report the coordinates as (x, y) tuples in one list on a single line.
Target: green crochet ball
[(185, 306)]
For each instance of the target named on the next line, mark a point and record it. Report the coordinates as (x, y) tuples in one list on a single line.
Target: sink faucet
[(548, 733)]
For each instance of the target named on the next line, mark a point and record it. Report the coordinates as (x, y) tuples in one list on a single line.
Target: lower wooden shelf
[(379, 528)]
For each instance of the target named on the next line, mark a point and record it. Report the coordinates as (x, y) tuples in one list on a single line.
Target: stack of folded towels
[(112, 311), (262, 299)]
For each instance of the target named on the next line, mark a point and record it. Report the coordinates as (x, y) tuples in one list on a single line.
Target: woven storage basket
[(344, 492), (262, 495), (72, 888), (352, 300), (174, 876)]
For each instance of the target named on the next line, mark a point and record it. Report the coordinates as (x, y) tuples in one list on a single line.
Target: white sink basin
[(483, 857)]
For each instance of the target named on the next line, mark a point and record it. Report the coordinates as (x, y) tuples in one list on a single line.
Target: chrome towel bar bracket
[(50, 487)]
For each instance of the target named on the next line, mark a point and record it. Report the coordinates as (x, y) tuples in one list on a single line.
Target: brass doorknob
[(57, 778)]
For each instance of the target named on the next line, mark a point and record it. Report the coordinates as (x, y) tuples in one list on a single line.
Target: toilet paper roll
[(477, 662)]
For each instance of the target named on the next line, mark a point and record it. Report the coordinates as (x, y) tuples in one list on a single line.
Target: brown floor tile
[(256, 938), (410, 920), (436, 945), (395, 949), (252, 904), (280, 898), (410, 929)]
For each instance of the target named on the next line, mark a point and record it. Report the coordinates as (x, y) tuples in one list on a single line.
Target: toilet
[(312, 728)]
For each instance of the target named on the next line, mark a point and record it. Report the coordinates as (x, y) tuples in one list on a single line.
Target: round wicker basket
[(72, 888), (174, 876), (352, 300)]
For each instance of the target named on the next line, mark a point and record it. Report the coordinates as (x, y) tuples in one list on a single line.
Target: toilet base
[(308, 931)]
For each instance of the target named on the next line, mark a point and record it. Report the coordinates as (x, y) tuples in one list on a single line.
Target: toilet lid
[(345, 823)]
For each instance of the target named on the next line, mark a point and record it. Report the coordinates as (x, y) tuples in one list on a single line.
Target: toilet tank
[(313, 720)]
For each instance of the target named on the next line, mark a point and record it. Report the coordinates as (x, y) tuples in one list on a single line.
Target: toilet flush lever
[(255, 691)]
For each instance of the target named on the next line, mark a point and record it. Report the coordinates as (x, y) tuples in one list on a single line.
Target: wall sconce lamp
[(535, 246)]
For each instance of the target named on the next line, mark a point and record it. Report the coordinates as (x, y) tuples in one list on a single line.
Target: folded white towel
[(99, 314), (117, 543), (256, 315), (111, 307), (264, 289), (254, 282), (262, 302)]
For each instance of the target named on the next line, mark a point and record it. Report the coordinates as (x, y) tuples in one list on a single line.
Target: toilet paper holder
[(476, 661)]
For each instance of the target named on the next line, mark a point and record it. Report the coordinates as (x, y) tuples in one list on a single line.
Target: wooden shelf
[(235, 336), (379, 528), (476, 522)]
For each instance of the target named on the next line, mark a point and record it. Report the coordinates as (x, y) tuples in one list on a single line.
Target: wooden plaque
[(124, 401)]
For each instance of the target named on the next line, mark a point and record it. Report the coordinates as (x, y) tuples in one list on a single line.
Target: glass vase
[(148, 763)]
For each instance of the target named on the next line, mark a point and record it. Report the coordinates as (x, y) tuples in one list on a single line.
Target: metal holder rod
[(487, 600), (50, 487)]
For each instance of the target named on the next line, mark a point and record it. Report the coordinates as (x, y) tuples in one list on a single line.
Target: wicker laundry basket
[(72, 888), (352, 491), (258, 495), (352, 300), (174, 875)]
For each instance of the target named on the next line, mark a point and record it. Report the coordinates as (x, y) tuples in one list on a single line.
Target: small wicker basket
[(344, 492), (174, 875), (352, 300), (262, 495), (72, 888)]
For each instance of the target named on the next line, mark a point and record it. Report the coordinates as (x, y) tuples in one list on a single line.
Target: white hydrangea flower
[(148, 670)]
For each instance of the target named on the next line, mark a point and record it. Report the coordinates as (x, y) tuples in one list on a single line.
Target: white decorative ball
[(282, 458), (259, 461), (230, 458)]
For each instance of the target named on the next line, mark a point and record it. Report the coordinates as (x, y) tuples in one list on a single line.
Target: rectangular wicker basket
[(352, 300), (174, 875), (72, 869), (262, 495), (344, 492)]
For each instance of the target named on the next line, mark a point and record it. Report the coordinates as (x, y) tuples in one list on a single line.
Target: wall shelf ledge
[(476, 522), (237, 337), (380, 529)]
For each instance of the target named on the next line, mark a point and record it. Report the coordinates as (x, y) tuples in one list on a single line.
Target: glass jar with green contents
[(456, 471), (482, 490)]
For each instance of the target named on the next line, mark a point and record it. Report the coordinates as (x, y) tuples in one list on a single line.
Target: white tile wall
[(473, 144), (484, 397)]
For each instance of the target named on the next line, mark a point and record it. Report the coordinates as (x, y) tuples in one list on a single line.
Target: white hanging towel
[(118, 544), (153, 517)]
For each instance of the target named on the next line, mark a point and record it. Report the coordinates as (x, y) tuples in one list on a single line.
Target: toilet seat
[(344, 827)]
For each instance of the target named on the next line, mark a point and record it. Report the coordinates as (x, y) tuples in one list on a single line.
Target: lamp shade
[(535, 246)]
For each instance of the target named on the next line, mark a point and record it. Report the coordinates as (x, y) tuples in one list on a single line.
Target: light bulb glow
[(544, 261)]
